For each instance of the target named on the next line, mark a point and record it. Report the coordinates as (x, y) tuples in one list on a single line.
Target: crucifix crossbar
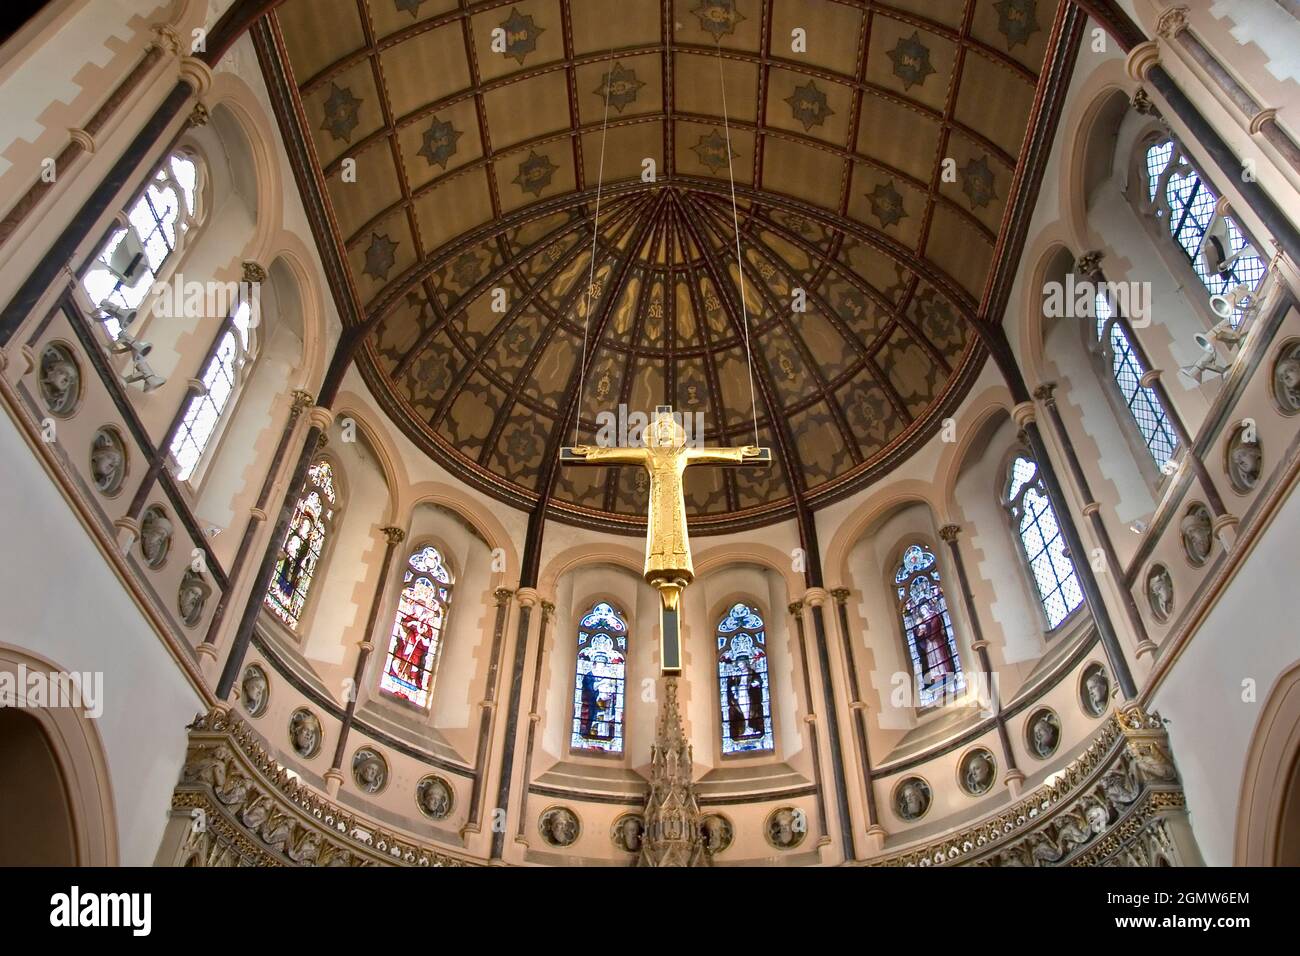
[(666, 456)]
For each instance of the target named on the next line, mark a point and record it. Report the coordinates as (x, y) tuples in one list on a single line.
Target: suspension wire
[(595, 231), (740, 267)]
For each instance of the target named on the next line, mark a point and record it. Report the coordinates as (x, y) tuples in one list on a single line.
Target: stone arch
[(70, 758), (1268, 810)]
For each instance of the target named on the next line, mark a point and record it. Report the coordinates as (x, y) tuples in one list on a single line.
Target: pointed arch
[(927, 626), (416, 640), (744, 684), (1042, 546), (315, 517), (600, 681)]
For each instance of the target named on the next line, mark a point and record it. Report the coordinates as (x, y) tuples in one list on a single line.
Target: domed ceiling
[(456, 150)]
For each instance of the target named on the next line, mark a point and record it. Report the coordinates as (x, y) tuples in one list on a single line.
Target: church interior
[(703, 433)]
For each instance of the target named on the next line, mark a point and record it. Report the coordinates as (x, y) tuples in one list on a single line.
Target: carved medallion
[(786, 827), (535, 173), (439, 143), (887, 204), (911, 799), (808, 105), (977, 771), (977, 183), (435, 797), (1017, 20), (1043, 733), (342, 112), (627, 831), (380, 257), (1286, 378), (192, 597), (369, 770), (712, 151), (1197, 531), (1094, 689), (718, 18), (620, 86), (521, 33), (1160, 592), (716, 833), (559, 826), (305, 733), (155, 536), (108, 461), (60, 380), (1244, 459), (255, 689)]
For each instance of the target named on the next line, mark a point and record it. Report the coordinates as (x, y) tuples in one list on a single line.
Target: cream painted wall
[(63, 601)]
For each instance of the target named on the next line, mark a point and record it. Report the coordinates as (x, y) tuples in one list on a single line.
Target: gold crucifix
[(666, 457)]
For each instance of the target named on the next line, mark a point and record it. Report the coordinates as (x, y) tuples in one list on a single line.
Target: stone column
[(860, 731), (528, 598), (334, 775), (815, 597), (1013, 777), (1259, 120), (1092, 511), (810, 717), (487, 711), (1144, 66)]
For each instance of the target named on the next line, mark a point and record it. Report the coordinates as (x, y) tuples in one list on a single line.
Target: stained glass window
[(600, 681), (160, 217), (418, 628), (743, 690), (304, 543), (1142, 403), (1044, 546), (204, 411), (1190, 215), (931, 644)]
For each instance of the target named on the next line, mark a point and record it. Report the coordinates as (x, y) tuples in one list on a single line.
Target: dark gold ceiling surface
[(873, 165)]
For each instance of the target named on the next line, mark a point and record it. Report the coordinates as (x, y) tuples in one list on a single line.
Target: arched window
[(1186, 202), (300, 554), (1126, 370), (128, 265), (1041, 541), (220, 378), (927, 626), (743, 691), (600, 681), (418, 628)]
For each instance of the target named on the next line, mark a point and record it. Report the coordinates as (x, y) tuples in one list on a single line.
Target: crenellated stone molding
[(1119, 803), (236, 806)]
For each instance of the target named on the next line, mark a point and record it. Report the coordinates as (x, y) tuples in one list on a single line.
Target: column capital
[(1172, 22), (196, 385), (1142, 104), (502, 595), (254, 273), (815, 597), (840, 594), (393, 534), (1149, 378), (1261, 119), (1089, 264), (1046, 393), (795, 607), (548, 609), (1024, 414), (528, 597), (320, 416), (949, 532), (257, 514), (1090, 509), (302, 399), (1142, 59), (197, 74), (82, 138)]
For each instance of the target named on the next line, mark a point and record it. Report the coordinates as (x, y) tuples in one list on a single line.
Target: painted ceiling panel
[(474, 130)]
